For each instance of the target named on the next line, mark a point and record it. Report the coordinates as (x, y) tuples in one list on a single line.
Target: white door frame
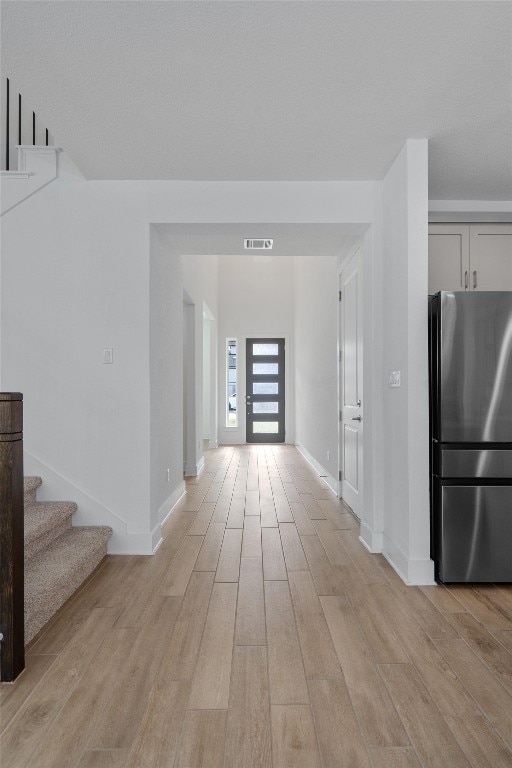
[(189, 388), (210, 421), (348, 263)]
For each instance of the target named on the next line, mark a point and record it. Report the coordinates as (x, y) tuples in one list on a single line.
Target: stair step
[(44, 522), (55, 573), (31, 483)]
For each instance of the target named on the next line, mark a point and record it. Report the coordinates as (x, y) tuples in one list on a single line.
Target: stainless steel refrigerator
[(470, 355)]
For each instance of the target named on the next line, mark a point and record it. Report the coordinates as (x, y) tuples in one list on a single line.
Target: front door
[(351, 384), (264, 395)]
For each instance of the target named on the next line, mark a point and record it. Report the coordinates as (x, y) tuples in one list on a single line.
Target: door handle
[(356, 418), (474, 280), (466, 280)]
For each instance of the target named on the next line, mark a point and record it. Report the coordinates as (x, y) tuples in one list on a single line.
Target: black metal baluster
[(8, 126), (7, 131)]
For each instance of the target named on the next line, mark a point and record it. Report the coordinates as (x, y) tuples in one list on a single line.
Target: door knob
[(356, 418)]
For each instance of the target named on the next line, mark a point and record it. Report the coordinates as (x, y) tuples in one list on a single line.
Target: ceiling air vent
[(258, 245)]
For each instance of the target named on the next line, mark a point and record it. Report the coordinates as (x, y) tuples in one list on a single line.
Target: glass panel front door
[(265, 391)]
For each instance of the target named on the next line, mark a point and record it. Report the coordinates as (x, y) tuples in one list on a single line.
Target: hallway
[(262, 634)]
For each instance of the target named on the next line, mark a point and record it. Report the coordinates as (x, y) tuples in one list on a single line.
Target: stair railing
[(8, 125), (12, 590)]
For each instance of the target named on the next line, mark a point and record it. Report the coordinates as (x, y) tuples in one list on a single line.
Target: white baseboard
[(191, 470), (372, 540), (164, 514), (412, 572), (321, 471), (168, 505)]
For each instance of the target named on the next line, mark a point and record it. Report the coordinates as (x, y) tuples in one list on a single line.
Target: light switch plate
[(394, 379), (108, 355)]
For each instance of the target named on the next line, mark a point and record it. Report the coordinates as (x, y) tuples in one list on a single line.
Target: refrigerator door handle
[(466, 280), (474, 279)]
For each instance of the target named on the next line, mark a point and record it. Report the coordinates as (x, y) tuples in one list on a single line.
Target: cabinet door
[(448, 257), (490, 256)]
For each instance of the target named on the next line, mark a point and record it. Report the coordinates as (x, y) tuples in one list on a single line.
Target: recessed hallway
[(263, 634)]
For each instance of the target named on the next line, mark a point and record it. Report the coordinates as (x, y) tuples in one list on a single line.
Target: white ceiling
[(258, 90)]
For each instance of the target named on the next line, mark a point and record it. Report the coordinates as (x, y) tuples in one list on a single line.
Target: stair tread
[(30, 482), (56, 572), (59, 557), (42, 516)]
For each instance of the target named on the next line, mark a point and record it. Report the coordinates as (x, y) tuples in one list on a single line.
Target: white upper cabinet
[(448, 256), (469, 257), (490, 254)]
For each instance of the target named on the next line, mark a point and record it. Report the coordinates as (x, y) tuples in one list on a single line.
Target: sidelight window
[(231, 383)]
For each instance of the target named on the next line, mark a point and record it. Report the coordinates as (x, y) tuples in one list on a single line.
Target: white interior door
[(351, 384)]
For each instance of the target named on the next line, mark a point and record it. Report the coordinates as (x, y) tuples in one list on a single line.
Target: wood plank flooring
[(262, 634)]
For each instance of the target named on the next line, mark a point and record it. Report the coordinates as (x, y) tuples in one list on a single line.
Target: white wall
[(200, 282), (316, 367), (255, 299), (75, 280), (166, 380), (76, 269), (77, 276), (405, 409), (374, 442)]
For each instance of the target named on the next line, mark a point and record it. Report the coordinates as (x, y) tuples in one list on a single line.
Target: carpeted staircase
[(58, 557)]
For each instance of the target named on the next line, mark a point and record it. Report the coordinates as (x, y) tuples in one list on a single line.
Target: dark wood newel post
[(12, 647)]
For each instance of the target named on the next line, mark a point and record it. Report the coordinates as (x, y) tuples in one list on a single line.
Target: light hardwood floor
[(262, 634)]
